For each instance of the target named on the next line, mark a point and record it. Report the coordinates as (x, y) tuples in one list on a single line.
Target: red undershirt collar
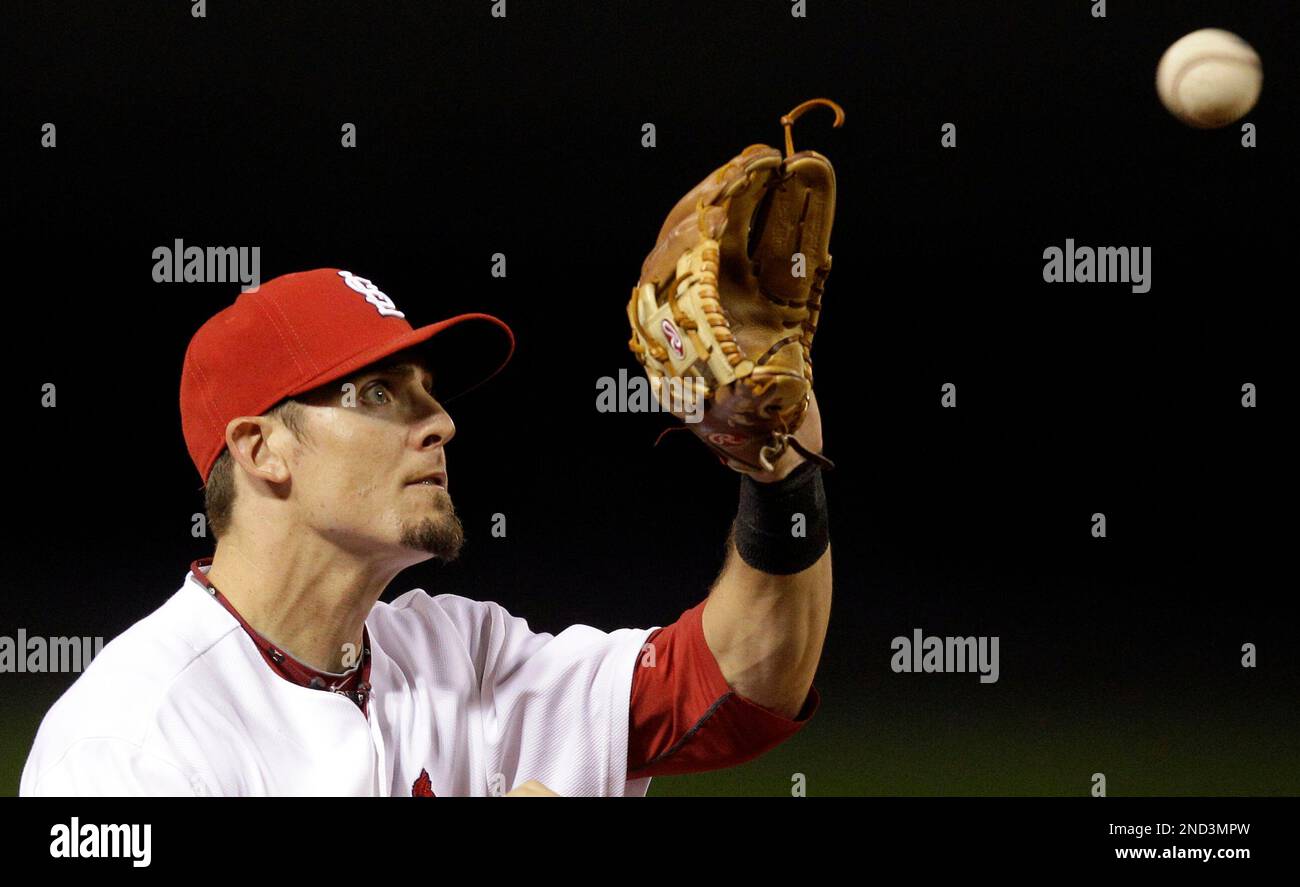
[(355, 685)]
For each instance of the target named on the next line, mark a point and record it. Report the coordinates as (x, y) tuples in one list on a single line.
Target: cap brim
[(470, 349)]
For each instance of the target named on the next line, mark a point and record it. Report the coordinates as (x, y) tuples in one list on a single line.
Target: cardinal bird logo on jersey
[(422, 787)]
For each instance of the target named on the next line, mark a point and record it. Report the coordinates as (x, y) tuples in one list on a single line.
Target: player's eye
[(378, 393)]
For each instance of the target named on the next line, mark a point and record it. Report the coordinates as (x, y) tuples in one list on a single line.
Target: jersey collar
[(354, 684)]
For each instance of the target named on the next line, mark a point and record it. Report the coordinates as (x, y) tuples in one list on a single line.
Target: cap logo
[(374, 295)]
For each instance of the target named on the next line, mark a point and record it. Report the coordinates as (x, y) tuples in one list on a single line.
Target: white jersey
[(465, 700)]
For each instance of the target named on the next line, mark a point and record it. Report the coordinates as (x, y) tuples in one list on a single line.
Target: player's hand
[(531, 789), (809, 434)]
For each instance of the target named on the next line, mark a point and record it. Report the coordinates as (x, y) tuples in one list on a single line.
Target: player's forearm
[(766, 616), (767, 631)]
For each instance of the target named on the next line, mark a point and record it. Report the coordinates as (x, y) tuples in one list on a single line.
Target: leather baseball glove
[(729, 299)]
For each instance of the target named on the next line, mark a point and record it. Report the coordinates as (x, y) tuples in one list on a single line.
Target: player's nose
[(436, 428)]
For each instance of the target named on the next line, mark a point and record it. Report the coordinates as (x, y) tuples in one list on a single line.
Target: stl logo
[(722, 439), (674, 338), (374, 295)]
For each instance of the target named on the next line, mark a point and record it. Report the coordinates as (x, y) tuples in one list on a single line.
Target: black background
[(523, 136)]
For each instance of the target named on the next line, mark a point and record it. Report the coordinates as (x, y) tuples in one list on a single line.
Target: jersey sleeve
[(685, 718), (555, 707), (107, 767)]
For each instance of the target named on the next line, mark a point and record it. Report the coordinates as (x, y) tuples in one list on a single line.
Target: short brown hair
[(219, 491)]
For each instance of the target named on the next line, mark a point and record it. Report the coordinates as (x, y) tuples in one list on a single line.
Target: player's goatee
[(440, 535)]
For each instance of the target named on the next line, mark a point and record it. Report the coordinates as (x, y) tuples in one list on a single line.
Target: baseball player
[(317, 419)]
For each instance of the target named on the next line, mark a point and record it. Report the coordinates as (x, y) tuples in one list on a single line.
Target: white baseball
[(1209, 78)]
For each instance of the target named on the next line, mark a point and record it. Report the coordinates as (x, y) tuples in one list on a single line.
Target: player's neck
[(309, 598)]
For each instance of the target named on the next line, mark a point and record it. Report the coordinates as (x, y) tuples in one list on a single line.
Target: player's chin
[(440, 535)]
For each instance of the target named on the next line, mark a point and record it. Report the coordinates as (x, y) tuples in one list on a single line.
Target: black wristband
[(766, 533)]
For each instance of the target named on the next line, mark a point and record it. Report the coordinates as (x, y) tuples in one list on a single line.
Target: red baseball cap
[(300, 331)]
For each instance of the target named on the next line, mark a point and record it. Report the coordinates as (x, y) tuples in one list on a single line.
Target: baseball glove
[(729, 299)]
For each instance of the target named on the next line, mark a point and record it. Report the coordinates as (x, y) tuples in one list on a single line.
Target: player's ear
[(248, 439)]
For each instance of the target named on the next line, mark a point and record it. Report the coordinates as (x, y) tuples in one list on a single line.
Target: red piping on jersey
[(354, 685)]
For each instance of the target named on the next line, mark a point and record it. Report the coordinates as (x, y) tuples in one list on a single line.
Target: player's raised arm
[(766, 616), (723, 319)]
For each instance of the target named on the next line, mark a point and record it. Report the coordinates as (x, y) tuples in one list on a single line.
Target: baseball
[(1209, 78)]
